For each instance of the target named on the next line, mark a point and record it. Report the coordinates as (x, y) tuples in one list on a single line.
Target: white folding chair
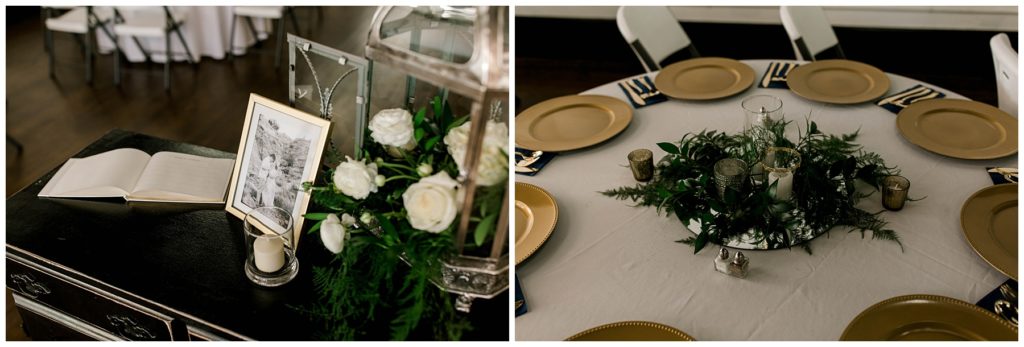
[(79, 21), (276, 13), (153, 22), (654, 34), (1005, 60), (810, 33)]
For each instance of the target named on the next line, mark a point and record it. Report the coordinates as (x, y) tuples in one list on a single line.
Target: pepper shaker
[(722, 261), (740, 266)]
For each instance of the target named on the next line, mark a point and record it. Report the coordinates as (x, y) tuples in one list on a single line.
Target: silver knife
[(632, 94), (768, 76), (650, 87)]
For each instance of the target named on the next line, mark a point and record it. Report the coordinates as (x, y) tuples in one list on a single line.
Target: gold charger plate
[(704, 78), (571, 122), (838, 81), (536, 216), (989, 221), (927, 318), (959, 128), (631, 331)]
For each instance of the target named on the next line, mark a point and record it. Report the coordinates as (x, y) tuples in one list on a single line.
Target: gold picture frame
[(280, 148)]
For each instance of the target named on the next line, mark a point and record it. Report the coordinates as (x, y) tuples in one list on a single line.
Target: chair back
[(810, 33), (653, 33), (1005, 60)]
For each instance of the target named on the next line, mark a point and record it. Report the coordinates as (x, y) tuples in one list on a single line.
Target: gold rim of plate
[(571, 122), (536, 217), (631, 331), (961, 129), (704, 78), (838, 81), (926, 317), (978, 221)]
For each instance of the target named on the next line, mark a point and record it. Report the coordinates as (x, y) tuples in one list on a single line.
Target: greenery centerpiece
[(825, 192), (390, 224)]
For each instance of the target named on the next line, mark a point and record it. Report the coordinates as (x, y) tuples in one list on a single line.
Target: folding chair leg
[(188, 52), (146, 54), (88, 56), (48, 36), (117, 65), (167, 64), (280, 42), (295, 22), (252, 29), (231, 37)]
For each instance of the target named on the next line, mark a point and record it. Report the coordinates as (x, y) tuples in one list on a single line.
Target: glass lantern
[(461, 54)]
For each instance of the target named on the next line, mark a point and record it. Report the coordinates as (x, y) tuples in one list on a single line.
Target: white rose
[(347, 220), (432, 202), (355, 178), (493, 166), (366, 218), (393, 127), (424, 170), (332, 233)]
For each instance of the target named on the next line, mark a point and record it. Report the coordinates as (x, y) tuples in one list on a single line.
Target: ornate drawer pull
[(28, 285), (127, 327)]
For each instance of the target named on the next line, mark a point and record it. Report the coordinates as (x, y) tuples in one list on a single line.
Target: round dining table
[(608, 261)]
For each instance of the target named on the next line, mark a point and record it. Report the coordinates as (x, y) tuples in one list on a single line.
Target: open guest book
[(137, 176)]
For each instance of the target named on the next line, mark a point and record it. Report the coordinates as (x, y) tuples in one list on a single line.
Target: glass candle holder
[(641, 161), (730, 173), (761, 110), (780, 164), (894, 192), (269, 245)]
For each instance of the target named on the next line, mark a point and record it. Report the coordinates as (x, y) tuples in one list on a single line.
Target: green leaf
[(483, 229), (456, 123), (420, 115), (419, 134), (814, 128), (315, 227), (668, 147), (431, 142), (436, 102), (316, 216), (701, 241)]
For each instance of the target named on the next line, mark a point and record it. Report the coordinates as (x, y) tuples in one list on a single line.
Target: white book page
[(108, 174), (183, 177)]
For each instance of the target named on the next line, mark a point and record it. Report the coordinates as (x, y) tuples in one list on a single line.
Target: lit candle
[(268, 254), (785, 187)]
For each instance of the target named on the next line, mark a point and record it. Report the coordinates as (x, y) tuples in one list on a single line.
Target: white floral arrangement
[(408, 190)]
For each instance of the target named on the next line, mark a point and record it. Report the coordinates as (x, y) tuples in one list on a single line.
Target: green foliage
[(380, 284), (825, 193)]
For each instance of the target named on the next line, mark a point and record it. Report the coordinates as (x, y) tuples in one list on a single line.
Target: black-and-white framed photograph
[(280, 148)]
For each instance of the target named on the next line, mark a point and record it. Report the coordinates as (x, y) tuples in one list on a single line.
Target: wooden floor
[(55, 118)]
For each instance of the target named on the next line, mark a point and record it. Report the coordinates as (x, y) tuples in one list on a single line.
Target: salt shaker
[(722, 261), (740, 266)]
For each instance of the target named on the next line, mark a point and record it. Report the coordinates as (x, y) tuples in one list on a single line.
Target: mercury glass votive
[(894, 192), (641, 161), (730, 173)]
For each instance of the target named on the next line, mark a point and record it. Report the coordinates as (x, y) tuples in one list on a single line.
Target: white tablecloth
[(206, 30), (608, 262)]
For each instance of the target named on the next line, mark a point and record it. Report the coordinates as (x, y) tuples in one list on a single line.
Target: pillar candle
[(785, 188), (268, 254)]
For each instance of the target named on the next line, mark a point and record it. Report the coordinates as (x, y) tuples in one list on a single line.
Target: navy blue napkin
[(520, 309), (989, 301), (643, 86), (897, 102), (529, 162), (1002, 175), (775, 75)]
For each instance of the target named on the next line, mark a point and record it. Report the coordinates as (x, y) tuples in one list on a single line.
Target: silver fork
[(1007, 308)]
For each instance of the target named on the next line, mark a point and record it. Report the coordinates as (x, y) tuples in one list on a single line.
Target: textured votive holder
[(641, 161), (730, 173), (894, 192)]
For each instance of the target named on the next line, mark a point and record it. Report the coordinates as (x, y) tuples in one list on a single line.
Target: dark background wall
[(556, 57)]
